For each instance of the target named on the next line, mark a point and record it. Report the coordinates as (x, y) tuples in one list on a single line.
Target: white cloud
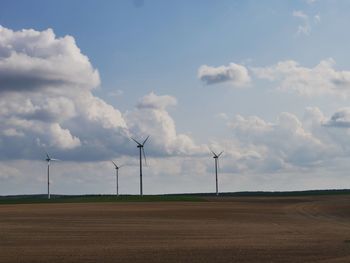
[(151, 118), (288, 144), (46, 88), (153, 101), (306, 23), (98, 111), (235, 74), (285, 142), (31, 59), (305, 27), (322, 79), (60, 112), (62, 138), (260, 155), (47, 102)]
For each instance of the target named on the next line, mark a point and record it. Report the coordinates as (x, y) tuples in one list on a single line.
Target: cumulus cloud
[(284, 142), (47, 102), (290, 76), (31, 59), (153, 101), (62, 138), (319, 80), (46, 99), (235, 74), (287, 144), (152, 118)]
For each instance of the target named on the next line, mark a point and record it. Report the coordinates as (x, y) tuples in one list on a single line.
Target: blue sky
[(148, 55)]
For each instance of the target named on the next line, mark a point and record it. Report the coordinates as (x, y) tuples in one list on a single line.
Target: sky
[(267, 82)]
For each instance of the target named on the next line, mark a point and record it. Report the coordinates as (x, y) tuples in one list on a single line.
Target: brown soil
[(244, 229)]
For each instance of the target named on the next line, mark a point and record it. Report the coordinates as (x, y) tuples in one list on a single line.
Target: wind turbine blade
[(213, 153), (144, 155), (145, 140), (220, 153), (47, 155), (55, 159), (123, 165), (114, 164), (218, 164), (135, 141)]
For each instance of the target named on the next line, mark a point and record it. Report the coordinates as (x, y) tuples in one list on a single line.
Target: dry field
[(239, 229)]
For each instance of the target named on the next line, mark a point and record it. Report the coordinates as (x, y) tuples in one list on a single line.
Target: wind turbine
[(216, 158), (49, 159), (117, 176), (142, 151)]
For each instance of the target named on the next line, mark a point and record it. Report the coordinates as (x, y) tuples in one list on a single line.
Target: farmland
[(300, 228)]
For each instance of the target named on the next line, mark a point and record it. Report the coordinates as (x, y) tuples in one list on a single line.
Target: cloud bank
[(287, 144), (323, 79), (47, 103), (289, 75)]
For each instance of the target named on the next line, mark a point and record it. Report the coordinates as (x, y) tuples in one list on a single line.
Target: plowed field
[(236, 229)]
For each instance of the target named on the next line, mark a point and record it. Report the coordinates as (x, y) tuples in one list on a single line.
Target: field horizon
[(186, 197)]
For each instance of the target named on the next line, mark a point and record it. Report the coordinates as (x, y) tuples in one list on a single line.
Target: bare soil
[(237, 229)]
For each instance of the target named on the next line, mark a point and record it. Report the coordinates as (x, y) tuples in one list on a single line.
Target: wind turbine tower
[(117, 177), (49, 159), (216, 158), (142, 152)]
